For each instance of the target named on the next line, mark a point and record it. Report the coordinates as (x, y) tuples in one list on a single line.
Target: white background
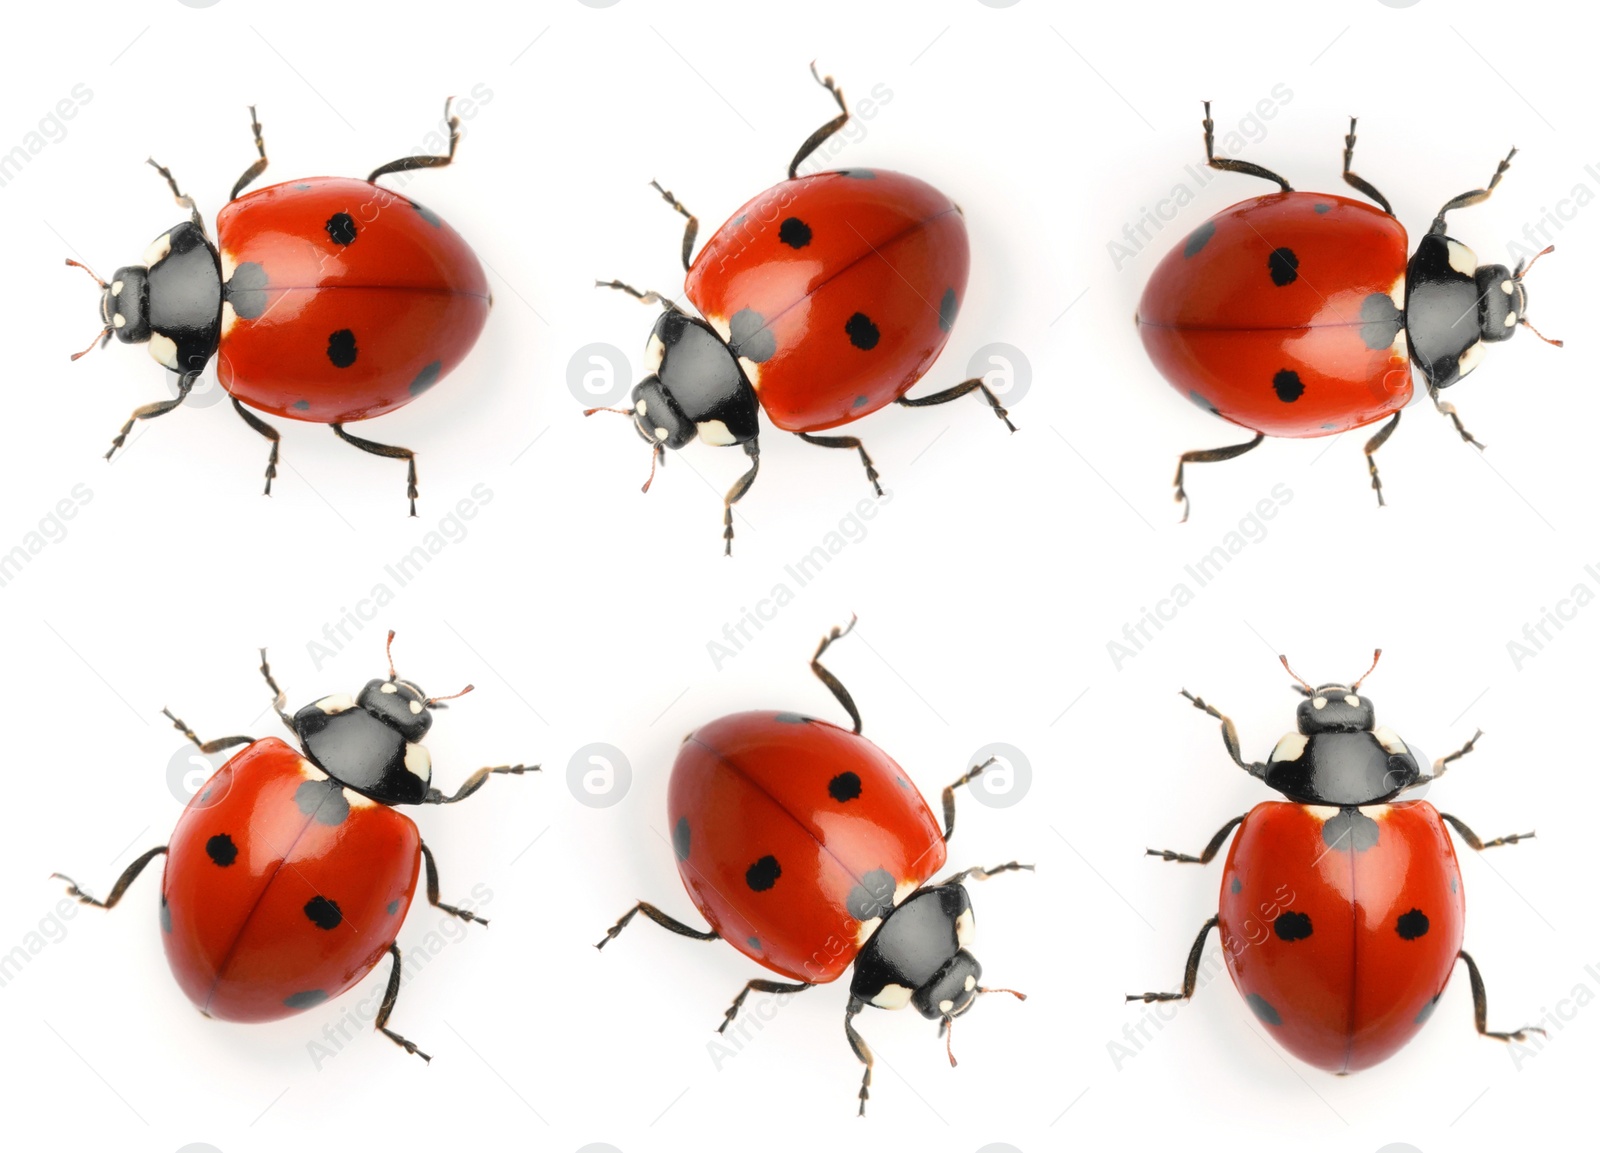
[(988, 585)]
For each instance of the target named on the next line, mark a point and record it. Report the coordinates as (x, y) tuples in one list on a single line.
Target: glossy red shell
[(765, 799), (809, 256), (1349, 984), (1288, 359), (317, 882), (312, 259)]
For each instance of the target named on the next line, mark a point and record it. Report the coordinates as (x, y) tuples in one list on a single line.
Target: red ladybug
[(824, 299), (808, 849), (1341, 911), (327, 300), (1294, 314), (291, 870)]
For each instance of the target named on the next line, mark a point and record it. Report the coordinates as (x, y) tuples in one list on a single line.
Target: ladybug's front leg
[(1230, 735), (151, 411), (1448, 409), (1206, 854), (859, 1047), (390, 995), (752, 449), (475, 782), (1190, 970)]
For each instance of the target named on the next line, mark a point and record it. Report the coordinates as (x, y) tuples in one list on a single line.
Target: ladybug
[(291, 870), (1342, 911), (326, 300), (1298, 313), (807, 849), (822, 300)]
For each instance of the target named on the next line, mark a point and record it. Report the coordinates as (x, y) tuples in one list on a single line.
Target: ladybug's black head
[(1334, 709)]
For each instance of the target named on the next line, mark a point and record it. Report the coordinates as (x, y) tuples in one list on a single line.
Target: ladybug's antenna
[(104, 335), (434, 702), (102, 284), (623, 411), (948, 1028), (388, 651), (1524, 266), (1376, 653), (1305, 686), (1525, 324), (658, 455)]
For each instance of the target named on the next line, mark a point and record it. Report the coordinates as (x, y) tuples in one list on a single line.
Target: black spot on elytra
[(845, 787), (1287, 384), (305, 999), (791, 719), (426, 214), (1411, 925), (1426, 1011), (680, 839), (222, 850), (341, 228), (794, 232), (392, 907), (246, 290), (324, 913), (749, 336), (1319, 209), (166, 915), (1263, 1009), (1284, 266), (1292, 926), (948, 307), (342, 348), (1380, 321), (873, 897), (427, 378), (857, 173), (754, 943), (764, 874), (1452, 882), (1198, 239), (1237, 886), (1202, 402), (1350, 830), (301, 405), (323, 800), (862, 332)]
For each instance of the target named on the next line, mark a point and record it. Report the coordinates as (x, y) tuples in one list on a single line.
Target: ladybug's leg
[(1374, 443), (835, 685), (151, 411), (267, 431), (1480, 1006), (215, 746), (1208, 456), (1230, 735), (1241, 166), (1355, 181), (859, 1047), (759, 985), (814, 141), (259, 166), (475, 782), (278, 696), (752, 449), (1467, 199), (183, 198), (408, 163), (1479, 844), (389, 450), (974, 873), (689, 230), (974, 385), (128, 876), (1206, 854), (1190, 970), (433, 889), (1449, 410), (847, 442), (659, 918), (949, 794), (648, 296), (390, 995), (1443, 763)]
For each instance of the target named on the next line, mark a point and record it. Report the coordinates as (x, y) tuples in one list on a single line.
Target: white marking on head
[(893, 997), (640, 407), (972, 983), (1353, 701), (946, 1005), (390, 687), (1507, 287), (1289, 748), (119, 321), (164, 349), (1390, 740), (337, 703), (964, 928), (1319, 702), (416, 707), (116, 288), (662, 434), (1511, 319), (1471, 358), (1462, 258), (419, 762), (158, 250), (714, 432)]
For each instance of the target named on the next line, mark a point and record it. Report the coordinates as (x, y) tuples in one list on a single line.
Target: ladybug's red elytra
[(1298, 314), (326, 300), (291, 869), (824, 299), (808, 849), (1342, 911)]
